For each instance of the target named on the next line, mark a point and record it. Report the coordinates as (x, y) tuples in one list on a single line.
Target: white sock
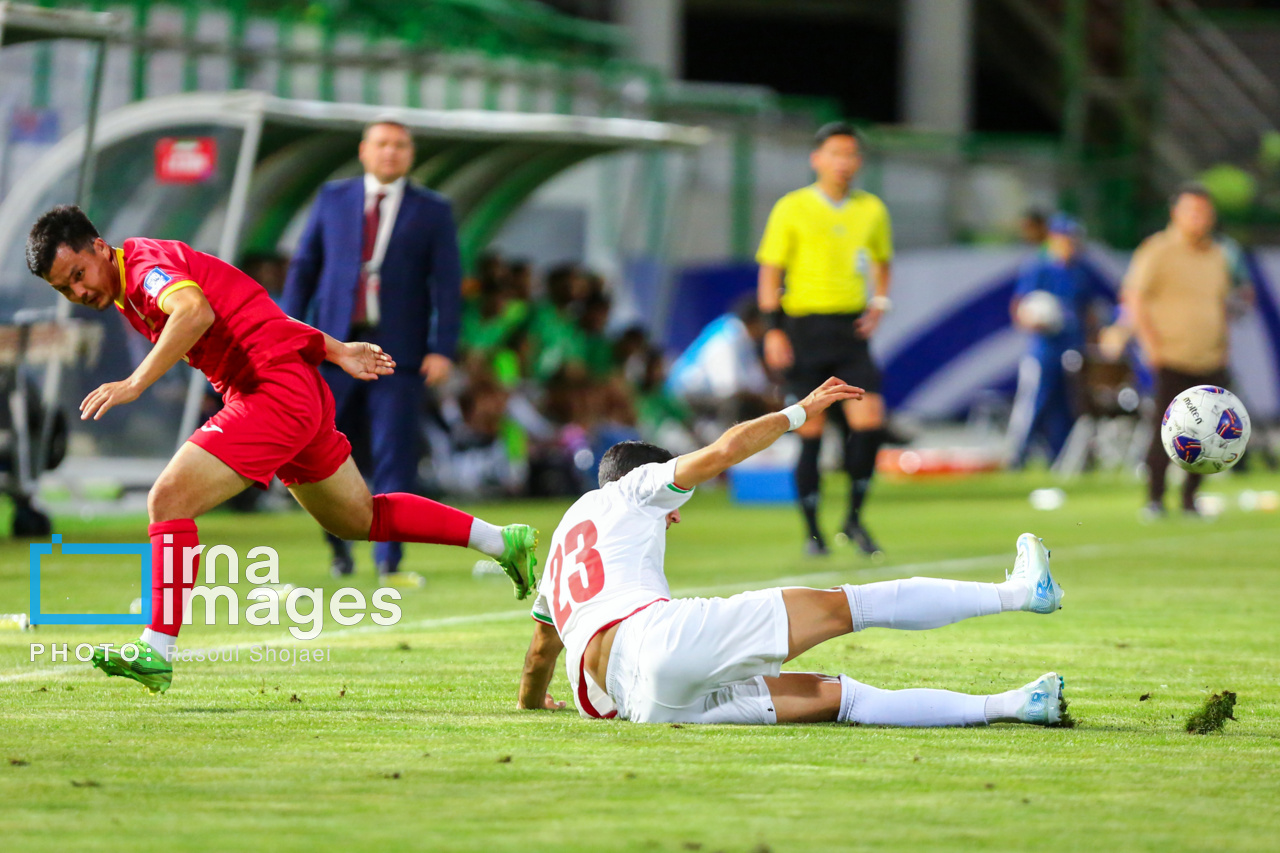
[(917, 604), (1013, 595), (486, 538), (862, 703), (1003, 707), (164, 644)]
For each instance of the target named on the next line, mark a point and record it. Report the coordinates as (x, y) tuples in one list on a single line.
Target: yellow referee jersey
[(825, 249)]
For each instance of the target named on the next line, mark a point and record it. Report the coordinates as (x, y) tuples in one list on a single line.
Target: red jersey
[(249, 331)]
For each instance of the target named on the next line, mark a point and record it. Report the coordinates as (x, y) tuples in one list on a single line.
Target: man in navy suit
[(379, 262)]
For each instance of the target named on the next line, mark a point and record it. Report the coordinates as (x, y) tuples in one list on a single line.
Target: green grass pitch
[(407, 739)]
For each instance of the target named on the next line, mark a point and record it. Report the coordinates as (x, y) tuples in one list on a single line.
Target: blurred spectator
[(597, 349), (475, 456), (543, 389), (1033, 226), (663, 417), (1051, 301), (556, 342), (268, 269), (724, 360), (1176, 295), (491, 319)]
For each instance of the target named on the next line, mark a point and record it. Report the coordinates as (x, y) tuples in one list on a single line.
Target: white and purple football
[(1205, 429)]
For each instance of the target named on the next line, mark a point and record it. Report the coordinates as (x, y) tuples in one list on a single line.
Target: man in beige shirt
[(1176, 296)]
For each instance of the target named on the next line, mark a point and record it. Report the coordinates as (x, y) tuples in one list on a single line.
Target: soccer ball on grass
[(1205, 429)]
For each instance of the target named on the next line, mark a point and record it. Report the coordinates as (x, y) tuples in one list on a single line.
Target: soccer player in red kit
[(277, 419)]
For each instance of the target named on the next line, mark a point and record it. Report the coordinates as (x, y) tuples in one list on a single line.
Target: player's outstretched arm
[(747, 439), (190, 316), (539, 666)]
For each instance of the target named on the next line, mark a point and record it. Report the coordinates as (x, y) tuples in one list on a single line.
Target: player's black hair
[(1190, 188), (836, 128), (626, 456), (64, 225)]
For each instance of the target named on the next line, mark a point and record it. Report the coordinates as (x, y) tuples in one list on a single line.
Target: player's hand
[(365, 361), (778, 354), (548, 704), (436, 368), (106, 397), (866, 325), (829, 392)]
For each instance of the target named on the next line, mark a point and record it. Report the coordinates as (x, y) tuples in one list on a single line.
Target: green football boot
[(519, 557), (149, 669)]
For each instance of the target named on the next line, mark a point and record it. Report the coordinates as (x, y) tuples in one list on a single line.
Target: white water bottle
[(14, 622)]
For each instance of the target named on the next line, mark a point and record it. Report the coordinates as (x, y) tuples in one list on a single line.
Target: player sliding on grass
[(277, 421), (635, 654)]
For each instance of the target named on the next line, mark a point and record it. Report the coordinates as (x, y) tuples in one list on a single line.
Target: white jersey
[(606, 564)]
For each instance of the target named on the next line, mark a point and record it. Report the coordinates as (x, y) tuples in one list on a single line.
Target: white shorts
[(700, 660)]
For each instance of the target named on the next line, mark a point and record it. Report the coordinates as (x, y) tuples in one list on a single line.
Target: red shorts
[(282, 427)]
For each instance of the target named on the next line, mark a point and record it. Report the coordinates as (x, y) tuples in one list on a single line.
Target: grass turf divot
[(1214, 715)]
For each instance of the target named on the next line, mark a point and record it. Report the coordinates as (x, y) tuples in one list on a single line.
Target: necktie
[(372, 219)]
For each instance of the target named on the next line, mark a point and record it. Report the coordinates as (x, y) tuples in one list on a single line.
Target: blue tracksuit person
[(1044, 408)]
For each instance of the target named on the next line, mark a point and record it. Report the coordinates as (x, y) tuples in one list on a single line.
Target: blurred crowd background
[(608, 276)]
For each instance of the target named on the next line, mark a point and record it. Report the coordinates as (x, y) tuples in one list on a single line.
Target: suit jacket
[(421, 274)]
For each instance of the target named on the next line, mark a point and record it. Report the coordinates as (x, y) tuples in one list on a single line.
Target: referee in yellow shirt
[(824, 285)]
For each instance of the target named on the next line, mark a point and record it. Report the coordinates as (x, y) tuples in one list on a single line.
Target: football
[(1040, 311), (1205, 429)]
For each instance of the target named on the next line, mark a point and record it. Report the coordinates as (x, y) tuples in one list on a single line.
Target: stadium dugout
[(269, 157), (29, 445)]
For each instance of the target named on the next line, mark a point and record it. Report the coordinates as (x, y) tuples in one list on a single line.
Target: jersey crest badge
[(155, 281)]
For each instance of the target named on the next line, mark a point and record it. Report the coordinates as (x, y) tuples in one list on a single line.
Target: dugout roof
[(274, 153), (21, 23)]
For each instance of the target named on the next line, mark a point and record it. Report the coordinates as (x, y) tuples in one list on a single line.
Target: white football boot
[(1032, 569), (1044, 701)]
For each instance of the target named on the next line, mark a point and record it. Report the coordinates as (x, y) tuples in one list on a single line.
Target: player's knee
[(345, 528), (163, 502), (354, 523)]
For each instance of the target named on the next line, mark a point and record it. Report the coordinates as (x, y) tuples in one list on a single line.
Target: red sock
[(401, 517), (169, 539)]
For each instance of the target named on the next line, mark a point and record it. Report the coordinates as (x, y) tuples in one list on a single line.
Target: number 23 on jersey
[(586, 574)]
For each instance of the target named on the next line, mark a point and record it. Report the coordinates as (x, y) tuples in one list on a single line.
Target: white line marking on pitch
[(993, 562)]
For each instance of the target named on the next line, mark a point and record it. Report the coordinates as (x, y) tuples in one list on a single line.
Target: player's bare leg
[(814, 616), (344, 507), (805, 697), (862, 444), (341, 503), (194, 482)]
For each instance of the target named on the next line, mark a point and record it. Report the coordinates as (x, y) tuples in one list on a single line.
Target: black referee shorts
[(827, 345)]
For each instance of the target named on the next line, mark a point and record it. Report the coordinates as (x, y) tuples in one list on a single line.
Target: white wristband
[(881, 303), (796, 415)]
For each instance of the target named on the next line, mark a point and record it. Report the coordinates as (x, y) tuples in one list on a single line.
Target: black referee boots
[(859, 536)]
